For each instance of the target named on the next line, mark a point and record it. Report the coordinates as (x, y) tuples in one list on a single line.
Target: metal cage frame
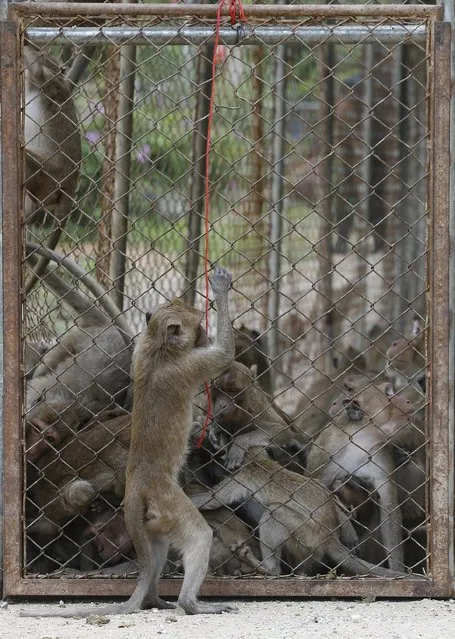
[(441, 476)]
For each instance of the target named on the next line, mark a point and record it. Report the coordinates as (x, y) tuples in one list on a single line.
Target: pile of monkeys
[(341, 491)]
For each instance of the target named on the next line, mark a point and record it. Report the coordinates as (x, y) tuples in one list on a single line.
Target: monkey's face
[(406, 358), (110, 537), (377, 404), (227, 410), (230, 397), (40, 438)]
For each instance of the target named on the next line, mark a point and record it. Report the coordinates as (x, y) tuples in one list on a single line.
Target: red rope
[(232, 12)]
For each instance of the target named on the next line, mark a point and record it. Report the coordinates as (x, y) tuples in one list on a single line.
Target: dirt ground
[(253, 620)]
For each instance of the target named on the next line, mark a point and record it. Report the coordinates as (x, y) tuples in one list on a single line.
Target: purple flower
[(93, 137), (143, 156)]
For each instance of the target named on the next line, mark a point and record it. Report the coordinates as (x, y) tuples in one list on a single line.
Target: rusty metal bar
[(3, 16), (263, 587), (264, 11), (197, 35), (441, 465), (276, 213), (124, 142), (449, 16), (12, 261)]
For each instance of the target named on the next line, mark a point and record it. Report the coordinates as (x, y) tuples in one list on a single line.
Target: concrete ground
[(305, 619)]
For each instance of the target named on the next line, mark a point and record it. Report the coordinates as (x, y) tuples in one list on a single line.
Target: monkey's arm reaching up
[(212, 360)]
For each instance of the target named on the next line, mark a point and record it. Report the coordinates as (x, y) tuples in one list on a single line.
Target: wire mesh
[(319, 207)]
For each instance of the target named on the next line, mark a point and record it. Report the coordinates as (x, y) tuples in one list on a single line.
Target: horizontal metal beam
[(264, 11), (167, 35)]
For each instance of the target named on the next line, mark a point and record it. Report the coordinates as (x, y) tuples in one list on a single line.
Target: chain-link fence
[(329, 207)]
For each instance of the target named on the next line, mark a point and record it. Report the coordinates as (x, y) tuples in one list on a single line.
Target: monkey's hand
[(220, 281), (234, 457), (205, 501)]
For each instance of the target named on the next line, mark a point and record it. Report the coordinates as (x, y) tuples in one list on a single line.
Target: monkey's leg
[(152, 551), (272, 536), (192, 536), (390, 522)]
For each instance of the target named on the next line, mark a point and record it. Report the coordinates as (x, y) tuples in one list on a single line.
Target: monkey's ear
[(148, 315), (254, 370), (416, 327)]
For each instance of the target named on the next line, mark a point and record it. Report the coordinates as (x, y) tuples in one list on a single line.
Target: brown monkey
[(313, 408), (354, 444), (62, 484), (297, 515), (171, 359), (380, 338), (292, 329), (250, 350), (245, 415), (107, 534), (407, 362), (85, 371), (41, 439), (234, 549), (52, 146)]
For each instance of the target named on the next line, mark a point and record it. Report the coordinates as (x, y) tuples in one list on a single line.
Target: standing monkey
[(172, 358)]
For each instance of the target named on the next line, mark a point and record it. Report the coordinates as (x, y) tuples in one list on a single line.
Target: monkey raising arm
[(214, 359), (170, 360)]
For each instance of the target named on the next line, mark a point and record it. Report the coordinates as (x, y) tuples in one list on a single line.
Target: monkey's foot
[(157, 602), (244, 553), (199, 608)]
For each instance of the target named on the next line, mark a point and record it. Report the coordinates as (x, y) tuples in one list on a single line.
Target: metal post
[(122, 172), (12, 212), (449, 16), (3, 17), (441, 437), (204, 82), (276, 214), (324, 283)]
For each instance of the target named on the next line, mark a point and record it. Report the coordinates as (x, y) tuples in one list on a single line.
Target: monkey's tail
[(356, 566), (123, 608)]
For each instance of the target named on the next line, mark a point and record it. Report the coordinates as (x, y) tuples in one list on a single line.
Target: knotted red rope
[(233, 6)]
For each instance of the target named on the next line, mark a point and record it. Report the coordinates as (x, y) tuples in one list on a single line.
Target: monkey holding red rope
[(171, 360)]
